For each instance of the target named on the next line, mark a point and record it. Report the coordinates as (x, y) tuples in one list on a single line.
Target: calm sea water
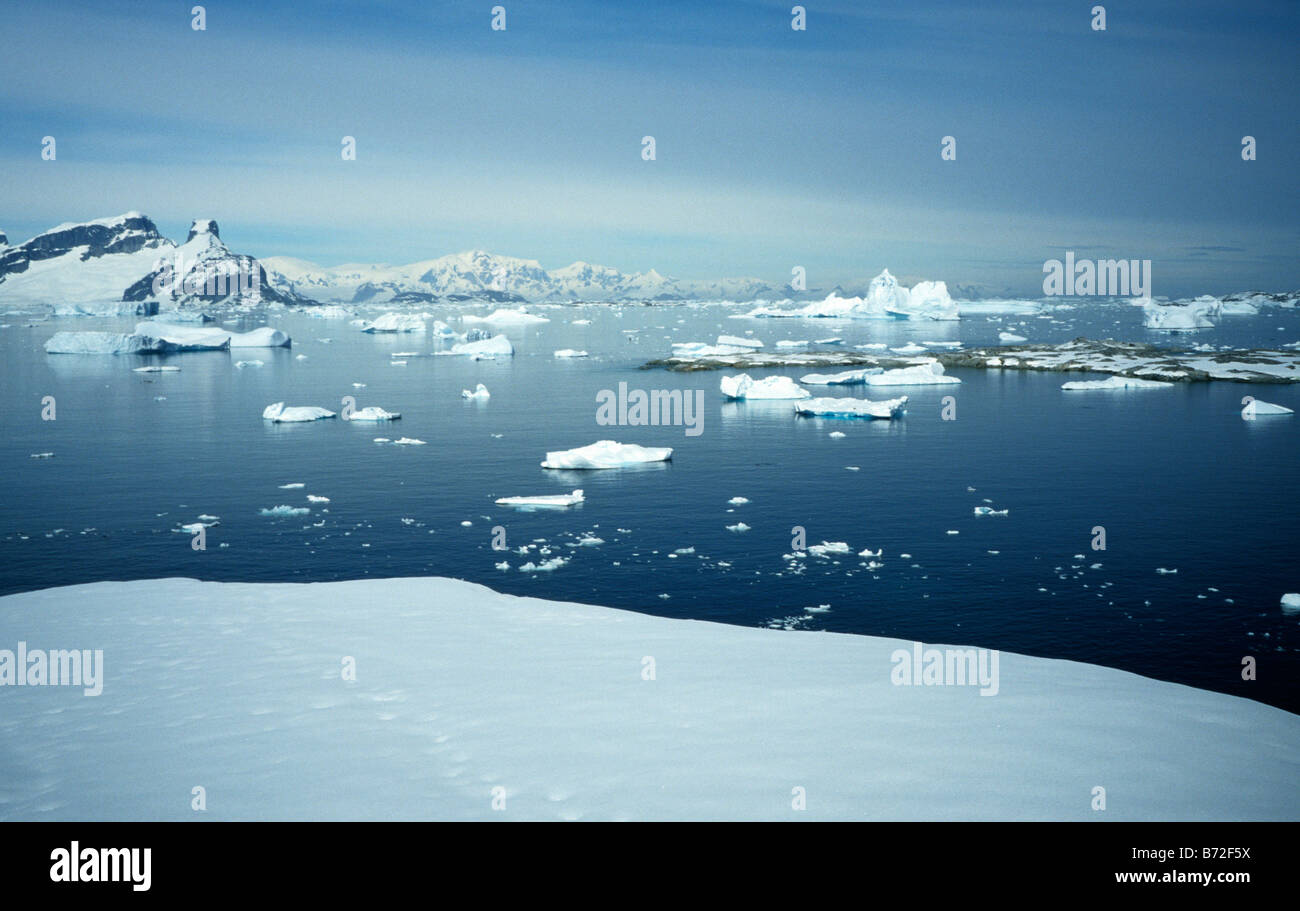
[(1175, 476)]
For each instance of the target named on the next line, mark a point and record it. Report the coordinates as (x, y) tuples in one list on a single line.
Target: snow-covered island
[(444, 707)]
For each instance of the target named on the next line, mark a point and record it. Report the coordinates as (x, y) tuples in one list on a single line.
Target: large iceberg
[(504, 317), (1202, 313), (770, 387), (396, 322), (886, 299), (607, 454), (852, 408), (195, 338), (103, 343), (294, 414), (928, 374), (1116, 382)]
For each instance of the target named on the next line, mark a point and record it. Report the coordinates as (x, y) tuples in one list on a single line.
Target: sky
[(774, 147)]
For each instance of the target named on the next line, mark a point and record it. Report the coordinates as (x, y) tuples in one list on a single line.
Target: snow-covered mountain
[(485, 276), (124, 260)]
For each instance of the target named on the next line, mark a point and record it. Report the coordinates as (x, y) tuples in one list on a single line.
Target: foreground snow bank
[(459, 690)]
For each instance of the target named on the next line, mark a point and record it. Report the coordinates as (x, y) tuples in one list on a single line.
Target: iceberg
[(886, 299), (396, 322), (505, 317), (909, 348), (552, 500), (486, 347), (282, 415), (1255, 407), (990, 511), (1202, 313), (480, 392), (570, 352), (928, 374), (1011, 337), (847, 378), (406, 441), (735, 341), (1116, 382), (283, 510), (607, 454), (374, 413), (770, 387), (156, 369), (103, 343), (853, 408), (1291, 603), (196, 338)]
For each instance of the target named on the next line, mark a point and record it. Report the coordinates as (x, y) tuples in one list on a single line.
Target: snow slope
[(237, 688)]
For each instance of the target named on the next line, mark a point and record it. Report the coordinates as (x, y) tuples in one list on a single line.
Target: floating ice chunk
[(580, 322), (1166, 572), (294, 414), (549, 500), (738, 528), (1011, 337), (770, 387), (703, 349), (1202, 313), (506, 317), (296, 485), (909, 348), (927, 374), (1255, 408), (41, 455), (485, 347), (194, 338), (819, 609), (736, 341), (242, 364), (312, 498), (826, 548), (867, 552), (990, 511), (1116, 382), (396, 322), (408, 441), (788, 343), (156, 369), (947, 344), (738, 501), (570, 352), (886, 299), (374, 413), (847, 378), (285, 511), (834, 434), (1291, 603), (480, 392), (545, 566), (103, 343), (833, 340), (853, 408), (606, 454)]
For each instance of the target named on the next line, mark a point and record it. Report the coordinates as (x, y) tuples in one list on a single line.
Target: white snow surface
[(607, 454), (743, 386), (396, 322), (445, 707), (853, 407), (1116, 382), (927, 374)]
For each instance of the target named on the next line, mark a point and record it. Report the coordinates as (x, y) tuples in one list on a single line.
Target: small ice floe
[(374, 413), (1255, 408), (397, 363), (738, 501), (927, 374), (496, 346), (836, 435), (789, 343), (952, 531), (382, 440), (506, 317), (819, 609), (480, 392), (156, 369), (589, 540), (296, 485), (41, 455), (395, 322), (312, 498), (570, 352), (606, 454), (503, 566), (300, 357), (847, 378), (580, 322), (990, 511), (403, 354), (408, 441), (909, 348), (1011, 338), (550, 500), (853, 408), (242, 365), (827, 548), (852, 468), (193, 338), (770, 387), (358, 385), (283, 510), (1291, 603), (295, 414), (1116, 382), (738, 528), (1165, 572), (735, 341), (868, 552), (545, 566), (833, 340), (948, 344)]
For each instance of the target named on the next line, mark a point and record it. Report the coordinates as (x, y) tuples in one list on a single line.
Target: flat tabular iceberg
[(770, 387), (853, 408), (1202, 313), (497, 345), (607, 454), (294, 414), (374, 413), (553, 500), (504, 317), (103, 343), (930, 374), (1116, 382), (735, 341), (195, 338)]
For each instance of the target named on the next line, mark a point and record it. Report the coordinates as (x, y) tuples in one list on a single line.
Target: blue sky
[(775, 147)]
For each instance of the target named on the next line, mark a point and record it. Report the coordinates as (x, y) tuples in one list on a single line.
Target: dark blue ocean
[(1175, 476)]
